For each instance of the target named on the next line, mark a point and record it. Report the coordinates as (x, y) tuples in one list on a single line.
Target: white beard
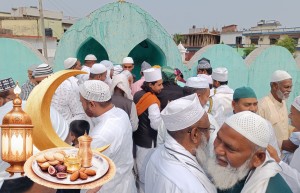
[(223, 177), (281, 95)]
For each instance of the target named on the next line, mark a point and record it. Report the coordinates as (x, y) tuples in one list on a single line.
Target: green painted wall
[(115, 31), (15, 58)]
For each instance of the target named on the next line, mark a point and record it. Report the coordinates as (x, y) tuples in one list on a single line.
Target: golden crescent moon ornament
[(38, 107)]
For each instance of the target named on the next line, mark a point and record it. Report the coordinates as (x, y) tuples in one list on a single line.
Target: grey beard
[(281, 95), (223, 177)]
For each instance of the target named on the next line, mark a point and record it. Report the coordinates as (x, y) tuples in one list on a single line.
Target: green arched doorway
[(149, 52), (91, 46)]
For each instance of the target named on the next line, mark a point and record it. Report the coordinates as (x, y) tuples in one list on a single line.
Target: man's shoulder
[(278, 185)]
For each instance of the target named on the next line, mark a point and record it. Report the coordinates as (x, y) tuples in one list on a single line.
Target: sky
[(178, 16)]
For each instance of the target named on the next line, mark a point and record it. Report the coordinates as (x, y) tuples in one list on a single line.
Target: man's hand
[(273, 153)]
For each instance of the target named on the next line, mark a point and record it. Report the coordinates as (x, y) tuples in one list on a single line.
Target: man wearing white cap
[(148, 110), (89, 61), (173, 167), (113, 127), (221, 100), (128, 64), (98, 72), (200, 86), (240, 163), (110, 70), (137, 85), (66, 98), (273, 107), (291, 171), (122, 98)]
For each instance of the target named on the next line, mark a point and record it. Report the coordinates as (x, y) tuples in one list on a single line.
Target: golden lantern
[(16, 136)]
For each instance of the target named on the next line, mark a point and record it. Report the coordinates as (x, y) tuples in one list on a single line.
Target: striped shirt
[(26, 90)]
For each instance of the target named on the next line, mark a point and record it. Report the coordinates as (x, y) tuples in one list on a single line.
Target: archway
[(91, 46), (149, 52)]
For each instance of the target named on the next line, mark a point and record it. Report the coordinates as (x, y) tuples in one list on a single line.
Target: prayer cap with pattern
[(251, 126), (95, 90), (182, 113), (203, 63), (42, 70)]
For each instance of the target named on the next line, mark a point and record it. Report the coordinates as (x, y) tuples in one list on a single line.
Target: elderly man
[(122, 98), (66, 98), (41, 72), (89, 61), (291, 172), (273, 107), (173, 167), (244, 99), (222, 98), (113, 127), (240, 163), (98, 72), (148, 110), (137, 85), (204, 67)]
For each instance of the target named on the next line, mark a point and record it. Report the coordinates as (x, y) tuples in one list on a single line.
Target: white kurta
[(114, 128), (291, 173), (172, 169), (275, 112), (66, 100), (222, 104)]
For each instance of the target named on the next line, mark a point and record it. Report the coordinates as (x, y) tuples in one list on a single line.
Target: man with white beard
[(273, 107), (173, 167), (240, 163)]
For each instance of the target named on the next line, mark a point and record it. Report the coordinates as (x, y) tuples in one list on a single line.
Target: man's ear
[(233, 104), (258, 158), (194, 135), (92, 103)]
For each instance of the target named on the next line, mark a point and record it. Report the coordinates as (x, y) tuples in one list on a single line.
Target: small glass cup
[(73, 163)]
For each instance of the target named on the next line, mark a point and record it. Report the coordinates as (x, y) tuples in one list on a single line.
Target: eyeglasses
[(211, 129)]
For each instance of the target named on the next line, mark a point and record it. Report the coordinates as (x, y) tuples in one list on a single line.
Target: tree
[(248, 50), (288, 43), (178, 38)]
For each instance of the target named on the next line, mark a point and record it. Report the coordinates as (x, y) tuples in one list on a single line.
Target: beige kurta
[(277, 114)]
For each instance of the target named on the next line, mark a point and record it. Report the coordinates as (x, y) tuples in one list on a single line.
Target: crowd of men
[(168, 134)]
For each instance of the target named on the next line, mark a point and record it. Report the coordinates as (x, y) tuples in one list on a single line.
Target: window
[(273, 41), (254, 41)]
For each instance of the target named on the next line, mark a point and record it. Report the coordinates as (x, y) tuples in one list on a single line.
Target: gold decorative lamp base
[(17, 167)]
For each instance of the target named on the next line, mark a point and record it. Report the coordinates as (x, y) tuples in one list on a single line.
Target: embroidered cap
[(203, 63), (95, 90), (42, 70), (251, 126)]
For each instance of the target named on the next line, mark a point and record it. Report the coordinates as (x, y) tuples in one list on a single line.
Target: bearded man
[(273, 107), (240, 163), (173, 167)]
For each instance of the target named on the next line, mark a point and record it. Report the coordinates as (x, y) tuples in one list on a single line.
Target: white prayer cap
[(182, 113), (95, 90), (121, 81), (251, 126), (127, 73), (280, 75), (98, 68), (197, 82), (152, 74), (220, 74), (207, 77), (108, 64), (90, 57), (296, 103), (69, 62), (127, 60)]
